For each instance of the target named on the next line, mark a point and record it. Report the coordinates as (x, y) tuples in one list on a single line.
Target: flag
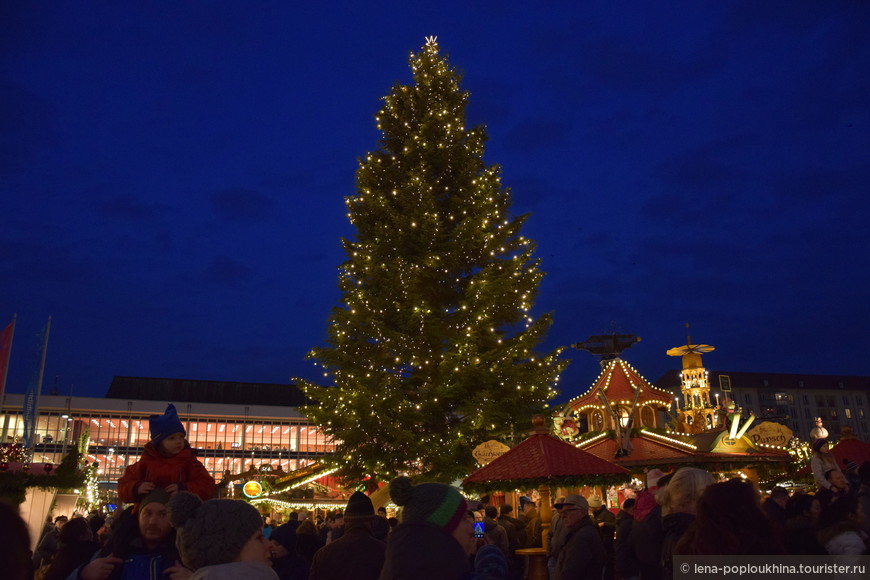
[(31, 397), (5, 353)]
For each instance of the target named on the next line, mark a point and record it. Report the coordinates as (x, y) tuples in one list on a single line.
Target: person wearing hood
[(167, 462), (356, 554)]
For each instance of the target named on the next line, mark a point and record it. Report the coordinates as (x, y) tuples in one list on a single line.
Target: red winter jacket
[(183, 469)]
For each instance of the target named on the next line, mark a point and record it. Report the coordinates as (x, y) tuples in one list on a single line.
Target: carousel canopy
[(620, 381), (543, 459)]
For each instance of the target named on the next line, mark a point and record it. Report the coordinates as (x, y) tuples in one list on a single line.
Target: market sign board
[(725, 444), (770, 433), (486, 452), (252, 489)]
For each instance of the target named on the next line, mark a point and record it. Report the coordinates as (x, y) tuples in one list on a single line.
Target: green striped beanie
[(435, 503)]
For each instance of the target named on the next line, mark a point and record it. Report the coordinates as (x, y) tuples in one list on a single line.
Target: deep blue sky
[(172, 175)]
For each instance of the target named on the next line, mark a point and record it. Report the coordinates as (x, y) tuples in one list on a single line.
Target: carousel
[(622, 417)]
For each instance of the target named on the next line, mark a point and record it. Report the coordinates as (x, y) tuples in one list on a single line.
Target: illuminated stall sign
[(252, 489)]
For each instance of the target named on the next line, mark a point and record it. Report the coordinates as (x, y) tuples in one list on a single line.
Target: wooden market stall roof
[(651, 449), (543, 459)]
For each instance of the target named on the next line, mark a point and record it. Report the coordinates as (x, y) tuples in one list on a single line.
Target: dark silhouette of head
[(729, 520)]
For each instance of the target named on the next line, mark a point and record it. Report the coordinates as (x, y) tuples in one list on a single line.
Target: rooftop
[(199, 391)]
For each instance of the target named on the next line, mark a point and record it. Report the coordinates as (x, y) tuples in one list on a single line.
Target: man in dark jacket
[(356, 554), (555, 537), (774, 509), (495, 531), (285, 561), (142, 547), (516, 533), (627, 567), (606, 522), (49, 543), (583, 556), (436, 537), (647, 536), (864, 493)]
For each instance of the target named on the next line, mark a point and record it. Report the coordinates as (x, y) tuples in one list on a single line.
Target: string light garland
[(671, 440), (649, 397), (432, 350)]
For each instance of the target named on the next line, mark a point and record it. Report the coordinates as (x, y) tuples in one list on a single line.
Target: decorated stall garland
[(553, 482), (16, 475)]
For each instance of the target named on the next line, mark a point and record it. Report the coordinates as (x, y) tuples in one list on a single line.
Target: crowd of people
[(174, 530)]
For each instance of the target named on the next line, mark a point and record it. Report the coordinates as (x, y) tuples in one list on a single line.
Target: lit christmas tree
[(432, 351)]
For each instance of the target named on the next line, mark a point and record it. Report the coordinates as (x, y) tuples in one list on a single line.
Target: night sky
[(172, 175)]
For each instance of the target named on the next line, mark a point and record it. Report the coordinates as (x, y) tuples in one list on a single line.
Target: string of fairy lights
[(434, 344), (587, 402)]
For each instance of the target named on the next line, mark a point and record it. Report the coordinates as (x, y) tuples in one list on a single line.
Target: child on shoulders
[(167, 462)]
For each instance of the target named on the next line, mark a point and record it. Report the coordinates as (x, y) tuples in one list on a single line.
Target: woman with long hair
[(729, 521)]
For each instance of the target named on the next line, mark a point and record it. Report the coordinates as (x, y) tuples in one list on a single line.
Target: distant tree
[(432, 351)]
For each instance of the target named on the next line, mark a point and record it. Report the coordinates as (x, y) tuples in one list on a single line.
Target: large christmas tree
[(432, 352)]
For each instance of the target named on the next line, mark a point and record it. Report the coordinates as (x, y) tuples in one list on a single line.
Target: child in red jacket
[(167, 462)]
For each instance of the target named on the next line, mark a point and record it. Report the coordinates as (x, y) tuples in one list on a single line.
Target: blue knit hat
[(162, 426)]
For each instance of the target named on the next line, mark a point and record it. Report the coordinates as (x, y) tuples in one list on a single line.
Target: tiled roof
[(619, 380), (200, 391), (543, 456)]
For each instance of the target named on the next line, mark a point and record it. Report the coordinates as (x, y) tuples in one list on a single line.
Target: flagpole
[(41, 372), (8, 356), (31, 399)]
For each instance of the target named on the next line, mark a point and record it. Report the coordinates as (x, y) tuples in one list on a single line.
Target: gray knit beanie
[(211, 532)]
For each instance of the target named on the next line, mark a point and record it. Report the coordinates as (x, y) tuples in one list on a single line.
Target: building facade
[(791, 399), (227, 436)]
